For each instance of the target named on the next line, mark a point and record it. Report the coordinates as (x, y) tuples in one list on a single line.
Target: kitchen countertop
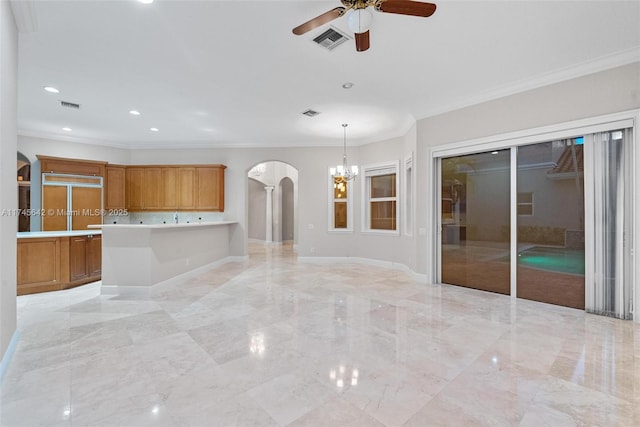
[(45, 234), (162, 226)]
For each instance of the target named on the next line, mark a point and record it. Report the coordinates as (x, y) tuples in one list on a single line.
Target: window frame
[(331, 206), (408, 199), (531, 204), (378, 169)]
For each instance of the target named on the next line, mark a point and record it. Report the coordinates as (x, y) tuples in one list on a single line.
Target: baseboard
[(8, 355), (145, 291), (264, 242), (366, 261)]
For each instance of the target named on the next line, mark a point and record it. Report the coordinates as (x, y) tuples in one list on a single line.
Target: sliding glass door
[(475, 221), (548, 221)]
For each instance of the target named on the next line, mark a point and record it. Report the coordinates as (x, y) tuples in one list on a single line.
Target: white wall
[(8, 186), (32, 146), (256, 215), (394, 248), (288, 209), (593, 95)]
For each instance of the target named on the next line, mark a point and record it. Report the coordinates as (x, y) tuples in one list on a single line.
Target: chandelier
[(343, 171)]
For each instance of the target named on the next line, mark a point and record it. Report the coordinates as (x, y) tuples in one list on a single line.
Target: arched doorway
[(272, 195), (24, 192), (286, 189)]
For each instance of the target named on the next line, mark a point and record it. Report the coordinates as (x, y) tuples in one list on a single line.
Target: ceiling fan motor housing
[(359, 20)]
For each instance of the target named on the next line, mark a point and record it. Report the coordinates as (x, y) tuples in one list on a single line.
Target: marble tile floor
[(274, 342)]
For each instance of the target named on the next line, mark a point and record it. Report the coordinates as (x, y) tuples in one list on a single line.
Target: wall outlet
[(187, 261), (311, 226), (312, 250)]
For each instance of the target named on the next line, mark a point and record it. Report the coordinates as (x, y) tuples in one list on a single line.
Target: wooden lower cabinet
[(85, 258), (55, 263)]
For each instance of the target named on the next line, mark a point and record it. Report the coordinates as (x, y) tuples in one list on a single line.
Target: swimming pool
[(559, 260)]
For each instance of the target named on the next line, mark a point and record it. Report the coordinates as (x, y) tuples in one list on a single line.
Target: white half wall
[(8, 180)]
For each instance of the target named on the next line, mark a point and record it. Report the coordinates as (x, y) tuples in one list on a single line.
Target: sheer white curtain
[(608, 219)]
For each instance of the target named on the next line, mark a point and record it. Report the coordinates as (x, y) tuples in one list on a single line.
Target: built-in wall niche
[(24, 192)]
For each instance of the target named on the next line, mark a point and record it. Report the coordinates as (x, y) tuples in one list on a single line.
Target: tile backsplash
[(163, 217)]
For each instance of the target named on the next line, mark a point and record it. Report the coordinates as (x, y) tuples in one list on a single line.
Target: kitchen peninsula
[(137, 256)]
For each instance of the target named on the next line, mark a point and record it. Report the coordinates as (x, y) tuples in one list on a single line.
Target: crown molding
[(603, 63), (24, 15)]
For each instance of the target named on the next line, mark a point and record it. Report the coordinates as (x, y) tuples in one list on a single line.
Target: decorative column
[(269, 215)]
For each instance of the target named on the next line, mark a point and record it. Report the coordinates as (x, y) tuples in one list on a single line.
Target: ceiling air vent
[(310, 113), (331, 38), (69, 104)]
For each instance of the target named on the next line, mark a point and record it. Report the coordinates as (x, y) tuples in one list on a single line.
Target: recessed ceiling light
[(67, 129), (347, 85), (154, 129), (134, 112), (494, 152), (51, 89), (146, 1)]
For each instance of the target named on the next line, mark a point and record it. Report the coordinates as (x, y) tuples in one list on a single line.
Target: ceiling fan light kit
[(359, 20), (359, 17)]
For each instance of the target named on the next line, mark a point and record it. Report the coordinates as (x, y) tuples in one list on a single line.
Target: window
[(380, 185), (525, 204), (340, 210), (408, 195)]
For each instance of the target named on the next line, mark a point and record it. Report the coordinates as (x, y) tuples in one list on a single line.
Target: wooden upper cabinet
[(114, 194), (134, 178), (71, 166), (210, 188), (187, 188), (152, 189), (169, 188)]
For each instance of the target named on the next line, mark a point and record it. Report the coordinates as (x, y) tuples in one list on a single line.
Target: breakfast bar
[(137, 256)]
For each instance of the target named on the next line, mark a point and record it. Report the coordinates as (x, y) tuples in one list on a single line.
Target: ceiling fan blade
[(362, 41), (319, 20), (406, 7)]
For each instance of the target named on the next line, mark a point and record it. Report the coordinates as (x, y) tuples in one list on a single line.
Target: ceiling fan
[(359, 18)]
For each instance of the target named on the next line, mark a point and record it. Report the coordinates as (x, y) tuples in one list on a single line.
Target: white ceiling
[(231, 73)]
